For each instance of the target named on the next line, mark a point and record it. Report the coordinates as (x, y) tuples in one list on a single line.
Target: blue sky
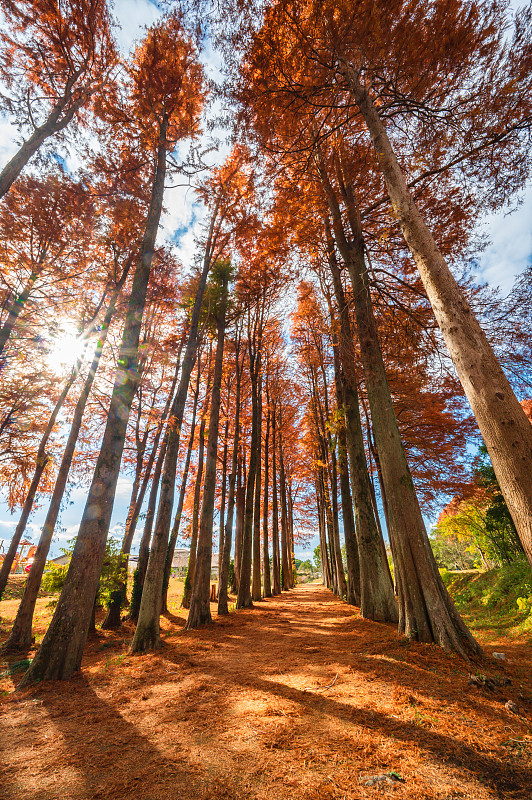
[(509, 252)]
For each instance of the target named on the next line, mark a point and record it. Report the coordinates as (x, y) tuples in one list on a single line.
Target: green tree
[(501, 532), (477, 520)]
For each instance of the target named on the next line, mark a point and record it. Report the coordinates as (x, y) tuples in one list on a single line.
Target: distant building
[(60, 560), (179, 561)]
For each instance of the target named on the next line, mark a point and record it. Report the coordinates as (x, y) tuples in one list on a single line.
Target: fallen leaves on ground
[(298, 698)]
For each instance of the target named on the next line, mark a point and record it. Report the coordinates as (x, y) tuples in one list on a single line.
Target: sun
[(66, 346)]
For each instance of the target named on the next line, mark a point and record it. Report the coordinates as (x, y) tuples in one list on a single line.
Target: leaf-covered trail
[(240, 710)]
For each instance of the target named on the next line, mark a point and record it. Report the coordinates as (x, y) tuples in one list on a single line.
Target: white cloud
[(8, 141), (123, 487), (510, 250), (133, 16)]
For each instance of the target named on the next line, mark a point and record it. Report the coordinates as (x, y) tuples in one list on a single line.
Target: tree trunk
[(118, 597), (16, 307), (244, 599), (147, 632), (326, 528), (377, 599), (60, 653), (265, 552), (53, 124), (144, 547), (131, 522), (290, 516), (331, 544), (426, 612), (350, 538), (222, 498), (285, 565), (21, 635), (224, 574), (200, 610), (19, 530), (40, 464), (256, 582), (240, 511), (191, 569), (341, 582), (276, 560), (325, 566), (180, 503), (351, 544), (503, 424)]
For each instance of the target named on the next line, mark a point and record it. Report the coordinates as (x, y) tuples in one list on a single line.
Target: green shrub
[(113, 576)]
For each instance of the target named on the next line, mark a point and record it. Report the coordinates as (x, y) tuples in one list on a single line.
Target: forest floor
[(298, 698)]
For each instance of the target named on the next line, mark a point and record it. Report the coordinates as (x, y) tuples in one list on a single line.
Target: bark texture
[(503, 424), (60, 653), (21, 635), (226, 557), (200, 610), (146, 635)]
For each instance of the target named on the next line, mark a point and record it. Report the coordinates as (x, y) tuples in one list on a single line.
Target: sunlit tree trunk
[(225, 562), (503, 424), (180, 503), (256, 583), (147, 631), (265, 550), (276, 561), (21, 635), (200, 611), (60, 653)]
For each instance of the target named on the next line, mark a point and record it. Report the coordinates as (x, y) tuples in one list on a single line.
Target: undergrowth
[(499, 598)]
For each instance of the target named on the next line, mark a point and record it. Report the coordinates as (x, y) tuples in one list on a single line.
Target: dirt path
[(240, 710)]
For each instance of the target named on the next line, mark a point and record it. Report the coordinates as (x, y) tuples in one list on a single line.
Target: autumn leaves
[(367, 135)]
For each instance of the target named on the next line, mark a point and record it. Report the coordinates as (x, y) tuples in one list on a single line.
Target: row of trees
[(362, 164)]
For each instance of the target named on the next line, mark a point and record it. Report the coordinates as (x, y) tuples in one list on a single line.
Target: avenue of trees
[(326, 360)]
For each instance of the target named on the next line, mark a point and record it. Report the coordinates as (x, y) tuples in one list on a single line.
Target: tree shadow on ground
[(101, 755)]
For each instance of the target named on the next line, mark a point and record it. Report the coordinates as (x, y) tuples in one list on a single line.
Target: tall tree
[(228, 536), (166, 99), (55, 58), (225, 192), (200, 612), (473, 122), (21, 634)]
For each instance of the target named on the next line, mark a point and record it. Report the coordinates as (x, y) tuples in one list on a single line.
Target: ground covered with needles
[(298, 698)]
